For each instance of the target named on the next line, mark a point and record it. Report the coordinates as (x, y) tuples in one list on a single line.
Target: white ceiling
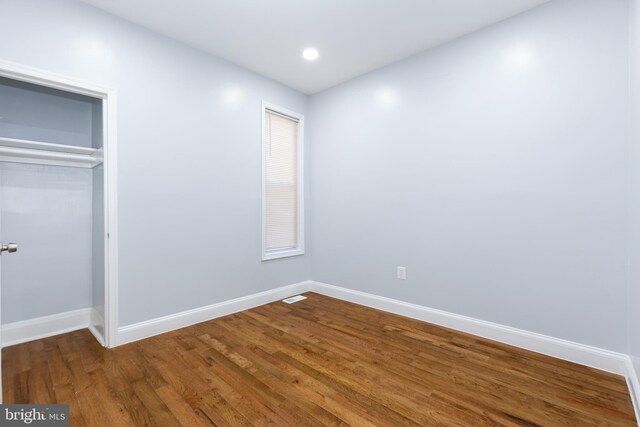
[(353, 36)]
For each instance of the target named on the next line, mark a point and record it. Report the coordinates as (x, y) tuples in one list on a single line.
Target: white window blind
[(281, 183)]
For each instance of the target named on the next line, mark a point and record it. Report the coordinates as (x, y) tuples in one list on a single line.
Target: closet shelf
[(44, 153)]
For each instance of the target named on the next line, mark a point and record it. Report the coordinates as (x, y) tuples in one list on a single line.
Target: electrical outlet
[(402, 273)]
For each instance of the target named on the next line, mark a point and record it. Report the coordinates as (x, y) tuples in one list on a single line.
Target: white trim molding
[(562, 349), (44, 327), (96, 326), (617, 363), (149, 328), (605, 360), (594, 357), (633, 382)]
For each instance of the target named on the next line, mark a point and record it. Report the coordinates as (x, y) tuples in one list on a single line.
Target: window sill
[(282, 254)]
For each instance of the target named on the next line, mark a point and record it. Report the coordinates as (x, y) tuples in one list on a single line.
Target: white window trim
[(299, 250)]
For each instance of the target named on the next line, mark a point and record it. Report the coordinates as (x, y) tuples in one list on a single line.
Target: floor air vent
[(294, 299)]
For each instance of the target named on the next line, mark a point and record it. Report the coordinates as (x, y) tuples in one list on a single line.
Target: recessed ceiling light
[(310, 54)]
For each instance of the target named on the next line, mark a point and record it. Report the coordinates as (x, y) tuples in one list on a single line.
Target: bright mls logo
[(34, 415)]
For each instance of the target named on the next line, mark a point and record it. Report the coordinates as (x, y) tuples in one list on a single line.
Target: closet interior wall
[(54, 213)]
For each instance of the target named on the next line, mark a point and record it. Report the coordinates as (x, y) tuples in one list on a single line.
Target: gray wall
[(493, 168), (189, 140), (47, 211), (634, 195), (46, 115)]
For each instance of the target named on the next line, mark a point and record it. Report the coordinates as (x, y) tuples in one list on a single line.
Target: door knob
[(10, 247)]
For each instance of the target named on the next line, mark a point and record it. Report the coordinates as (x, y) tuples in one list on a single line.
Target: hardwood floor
[(317, 362)]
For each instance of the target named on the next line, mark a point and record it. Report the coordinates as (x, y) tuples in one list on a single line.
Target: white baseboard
[(633, 382), (160, 325), (598, 358), (617, 363), (579, 353), (96, 326), (594, 357), (46, 326)]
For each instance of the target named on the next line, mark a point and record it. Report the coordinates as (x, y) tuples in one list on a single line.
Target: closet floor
[(320, 361)]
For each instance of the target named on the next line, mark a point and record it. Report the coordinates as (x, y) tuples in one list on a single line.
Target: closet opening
[(57, 204)]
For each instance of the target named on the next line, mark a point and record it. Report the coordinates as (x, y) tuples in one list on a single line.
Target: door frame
[(109, 139)]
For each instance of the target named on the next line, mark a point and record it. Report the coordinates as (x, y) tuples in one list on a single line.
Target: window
[(282, 183)]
